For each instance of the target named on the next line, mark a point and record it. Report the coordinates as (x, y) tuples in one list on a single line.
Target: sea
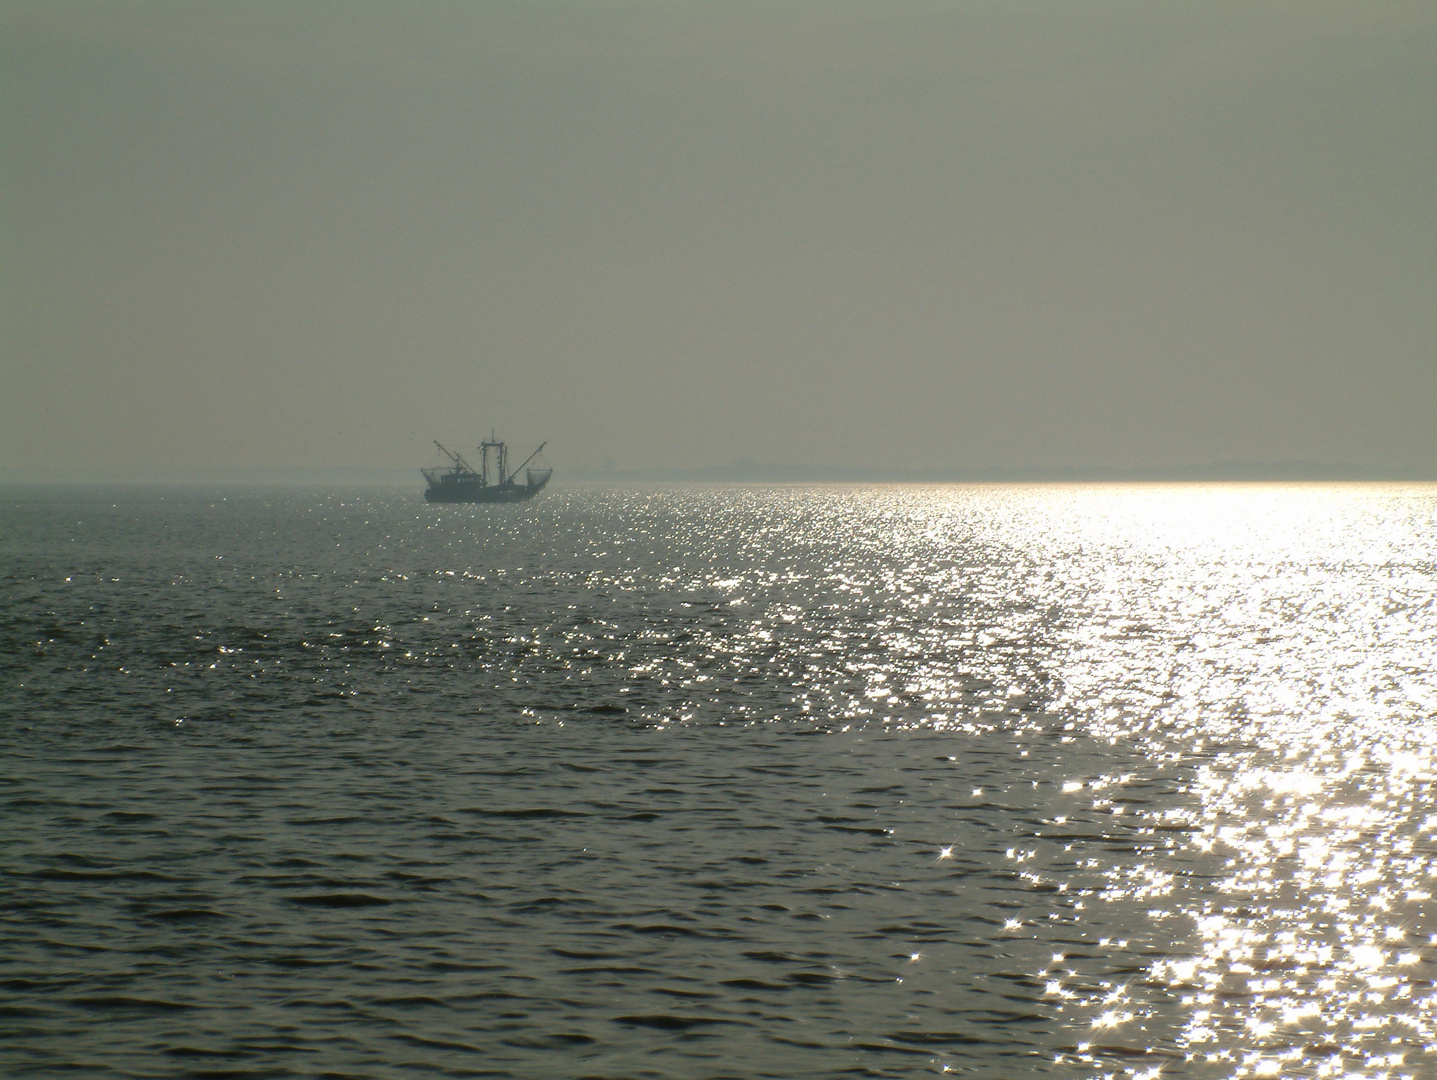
[(782, 781)]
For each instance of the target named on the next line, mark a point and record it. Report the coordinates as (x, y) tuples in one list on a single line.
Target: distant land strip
[(1253, 471)]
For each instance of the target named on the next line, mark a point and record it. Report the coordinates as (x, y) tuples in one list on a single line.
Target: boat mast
[(501, 458)]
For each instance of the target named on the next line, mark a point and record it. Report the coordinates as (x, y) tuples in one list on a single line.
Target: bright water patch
[(1059, 781)]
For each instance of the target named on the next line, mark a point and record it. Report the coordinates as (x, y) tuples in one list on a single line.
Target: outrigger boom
[(531, 457)]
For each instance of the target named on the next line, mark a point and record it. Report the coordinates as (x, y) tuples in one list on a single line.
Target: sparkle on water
[(1287, 644), (1247, 892)]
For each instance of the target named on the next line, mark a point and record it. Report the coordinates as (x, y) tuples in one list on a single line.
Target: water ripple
[(799, 781)]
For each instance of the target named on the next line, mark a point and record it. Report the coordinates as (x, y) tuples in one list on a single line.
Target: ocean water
[(991, 781)]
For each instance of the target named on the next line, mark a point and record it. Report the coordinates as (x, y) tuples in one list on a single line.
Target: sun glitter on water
[(1290, 661)]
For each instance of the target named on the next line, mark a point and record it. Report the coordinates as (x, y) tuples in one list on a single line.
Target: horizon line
[(747, 471)]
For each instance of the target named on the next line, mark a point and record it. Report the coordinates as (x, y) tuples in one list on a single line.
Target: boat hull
[(462, 492)]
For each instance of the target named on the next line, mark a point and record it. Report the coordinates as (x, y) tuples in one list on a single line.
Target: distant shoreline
[(752, 472)]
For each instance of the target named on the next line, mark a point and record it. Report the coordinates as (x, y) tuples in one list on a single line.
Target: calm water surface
[(720, 782)]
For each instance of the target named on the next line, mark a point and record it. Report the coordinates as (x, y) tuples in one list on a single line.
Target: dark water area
[(718, 781)]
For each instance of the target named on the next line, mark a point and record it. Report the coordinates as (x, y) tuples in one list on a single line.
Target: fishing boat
[(460, 482)]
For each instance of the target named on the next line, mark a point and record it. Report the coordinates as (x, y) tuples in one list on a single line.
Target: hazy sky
[(946, 235)]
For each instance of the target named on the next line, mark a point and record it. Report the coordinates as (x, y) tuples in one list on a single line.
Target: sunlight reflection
[(1288, 654)]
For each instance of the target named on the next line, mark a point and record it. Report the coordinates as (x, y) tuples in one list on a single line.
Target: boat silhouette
[(460, 482)]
